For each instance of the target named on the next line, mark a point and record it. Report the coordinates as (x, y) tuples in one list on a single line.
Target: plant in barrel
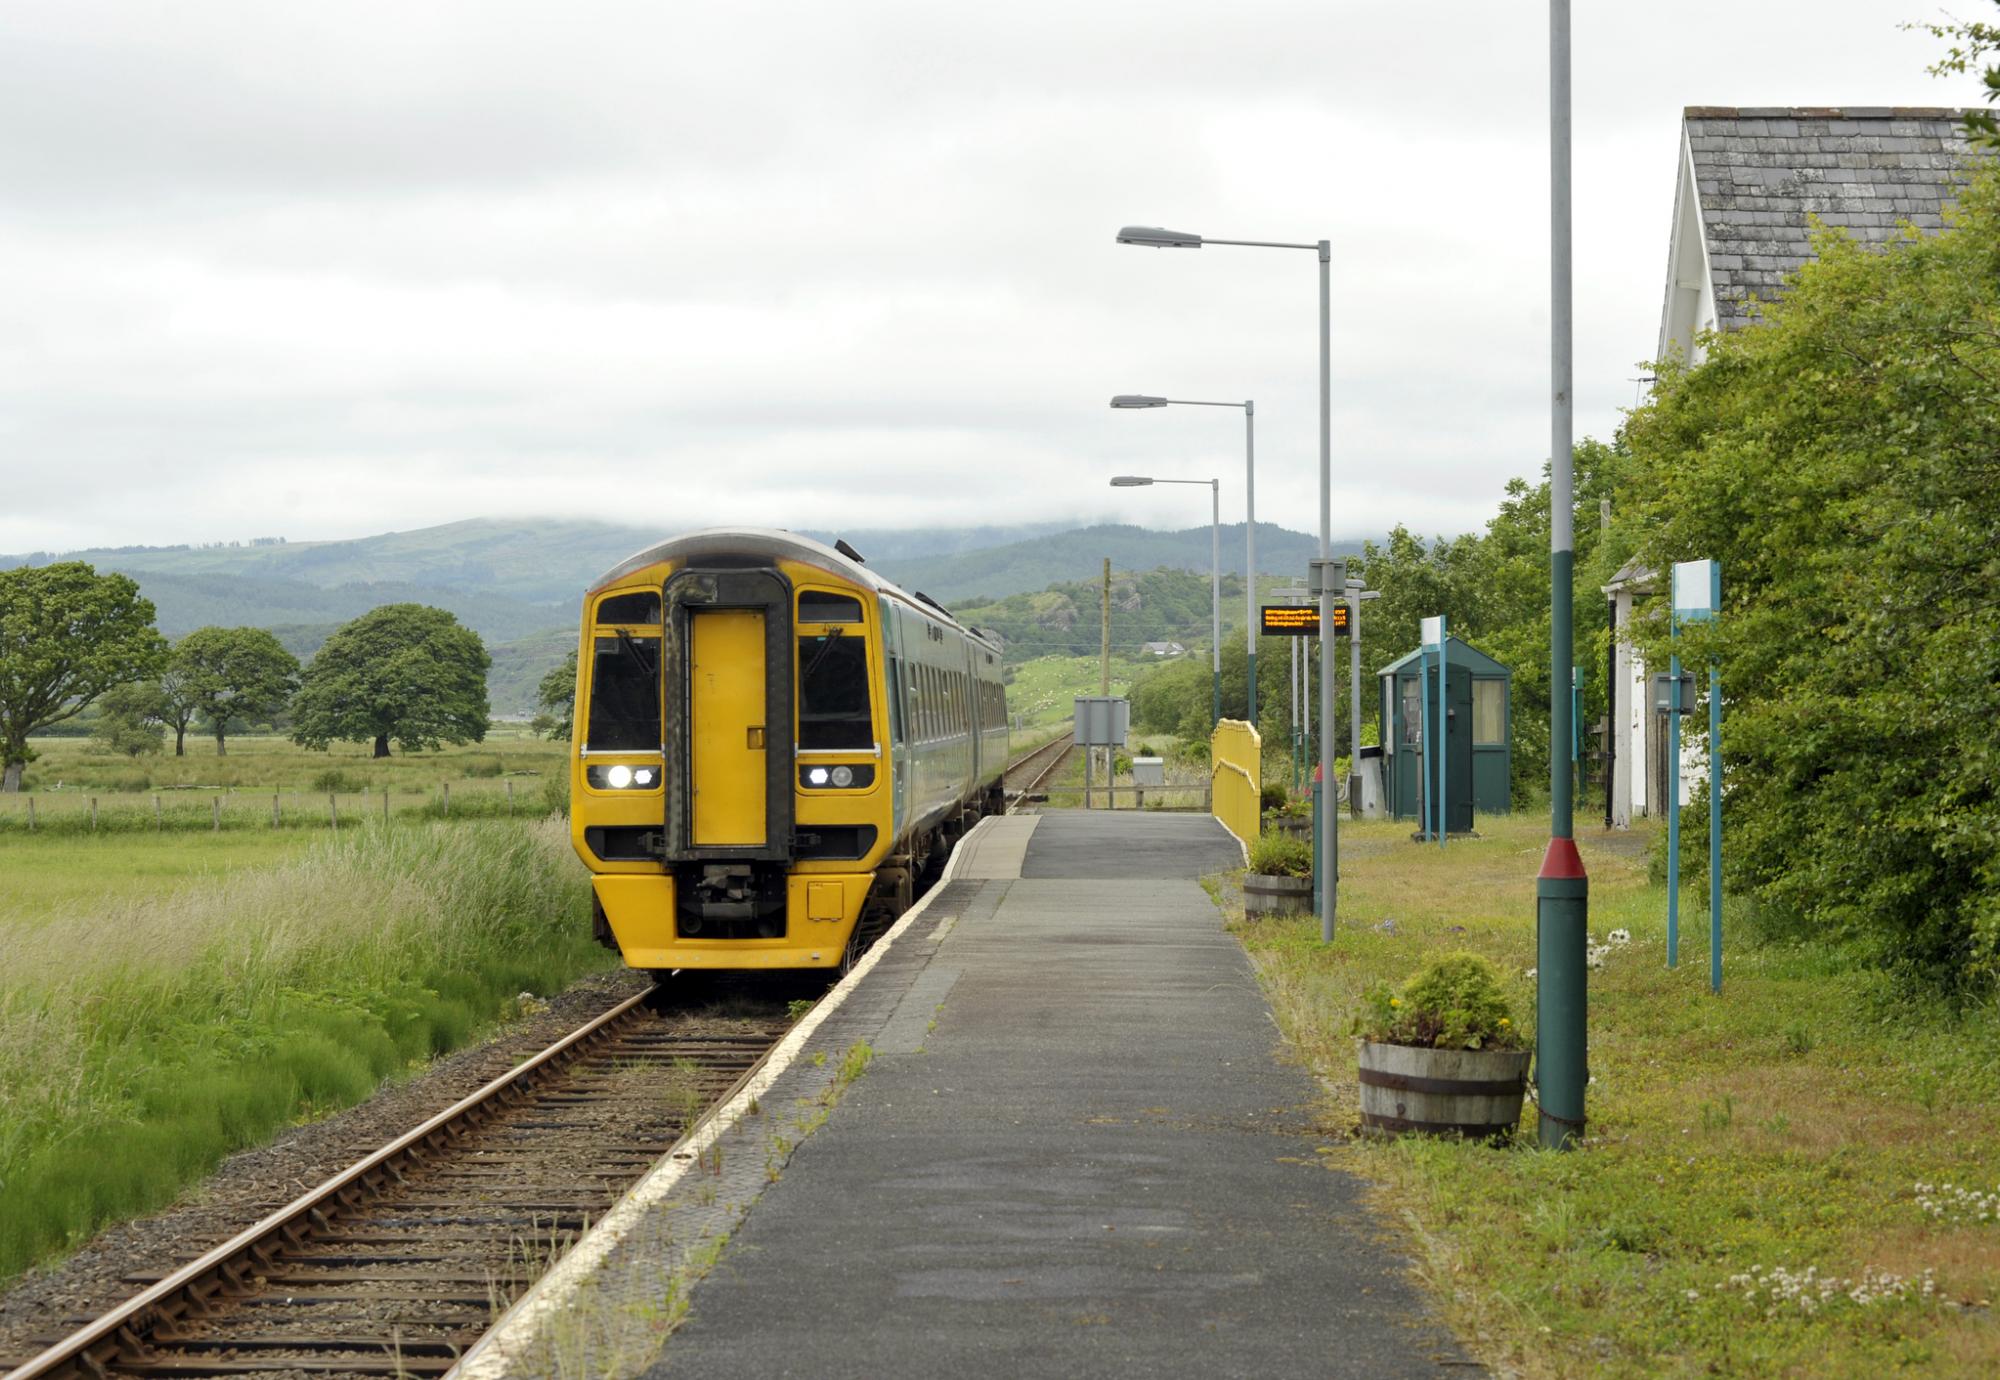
[(1442, 1054)]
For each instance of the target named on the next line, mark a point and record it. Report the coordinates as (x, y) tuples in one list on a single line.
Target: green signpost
[(1697, 597)]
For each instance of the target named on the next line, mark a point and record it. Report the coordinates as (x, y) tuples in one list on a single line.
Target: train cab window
[(833, 692), (643, 607), (818, 606), (624, 695)]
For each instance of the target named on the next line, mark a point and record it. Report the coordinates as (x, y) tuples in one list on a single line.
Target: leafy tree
[(235, 673), (178, 704), (130, 718), (555, 701), (1842, 461), (67, 634), (406, 672), (1970, 43)]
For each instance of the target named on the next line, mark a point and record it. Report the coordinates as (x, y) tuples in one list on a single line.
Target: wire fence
[(238, 808)]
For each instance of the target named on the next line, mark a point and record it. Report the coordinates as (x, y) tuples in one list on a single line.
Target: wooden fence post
[(274, 809), (447, 797), (31, 814), (510, 797), (385, 804), (93, 814), (215, 802), (158, 822), (332, 812)]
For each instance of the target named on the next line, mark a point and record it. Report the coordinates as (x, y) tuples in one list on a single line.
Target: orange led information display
[(1300, 620)]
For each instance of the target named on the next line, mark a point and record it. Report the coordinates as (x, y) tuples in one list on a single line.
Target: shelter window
[(819, 606), (1489, 712), (624, 695), (1413, 712), (833, 693), (643, 607)]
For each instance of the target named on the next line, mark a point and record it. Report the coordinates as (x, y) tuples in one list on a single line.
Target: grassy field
[(1777, 1181), (190, 996), (1044, 690), (77, 787)]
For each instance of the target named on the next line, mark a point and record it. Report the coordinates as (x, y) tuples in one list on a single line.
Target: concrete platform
[(1075, 1152)]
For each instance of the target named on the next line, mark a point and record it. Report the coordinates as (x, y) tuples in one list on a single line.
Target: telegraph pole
[(1562, 891)]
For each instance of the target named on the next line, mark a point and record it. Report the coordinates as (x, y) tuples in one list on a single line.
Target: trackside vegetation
[(143, 1039), (1842, 460), (1779, 1181)]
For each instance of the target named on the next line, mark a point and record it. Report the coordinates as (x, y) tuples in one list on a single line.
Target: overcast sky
[(315, 271)]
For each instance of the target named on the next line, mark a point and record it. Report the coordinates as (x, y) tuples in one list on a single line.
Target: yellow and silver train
[(772, 743)]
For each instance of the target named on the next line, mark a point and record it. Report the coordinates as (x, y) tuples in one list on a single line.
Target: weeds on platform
[(1752, 1197), (143, 1040)]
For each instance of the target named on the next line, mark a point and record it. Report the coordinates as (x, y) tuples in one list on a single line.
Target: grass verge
[(1776, 1182), (142, 1041)]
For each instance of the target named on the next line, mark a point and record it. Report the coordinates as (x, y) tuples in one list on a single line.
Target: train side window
[(834, 709), (624, 695), (895, 682), (821, 606), (642, 607)]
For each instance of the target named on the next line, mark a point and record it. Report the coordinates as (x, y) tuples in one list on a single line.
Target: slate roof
[(1761, 171)]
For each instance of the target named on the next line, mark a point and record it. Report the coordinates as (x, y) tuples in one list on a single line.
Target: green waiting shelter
[(1479, 698)]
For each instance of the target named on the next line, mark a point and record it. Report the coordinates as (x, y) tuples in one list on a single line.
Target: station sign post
[(1433, 640)]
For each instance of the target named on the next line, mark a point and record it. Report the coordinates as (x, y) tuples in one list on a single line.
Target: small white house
[(1749, 184)]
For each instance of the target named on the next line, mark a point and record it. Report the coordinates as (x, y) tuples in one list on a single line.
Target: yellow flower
[(1395, 1001), (1505, 1021)]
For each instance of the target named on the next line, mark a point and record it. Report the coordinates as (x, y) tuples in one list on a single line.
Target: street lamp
[(1152, 236), (1136, 481), (1137, 400)]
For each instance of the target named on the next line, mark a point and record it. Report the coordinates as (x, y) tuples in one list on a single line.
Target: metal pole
[(1562, 891), (1250, 548), (1293, 681), (1673, 801), (1329, 849), (1354, 704), (1715, 823), (1215, 601)]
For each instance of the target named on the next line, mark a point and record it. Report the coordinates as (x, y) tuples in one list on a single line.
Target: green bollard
[(1562, 937)]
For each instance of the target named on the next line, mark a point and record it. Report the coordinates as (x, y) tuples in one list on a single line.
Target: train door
[(726, 729)]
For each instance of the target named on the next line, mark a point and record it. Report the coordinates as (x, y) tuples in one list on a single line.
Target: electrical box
[(1663, 690), (1102, 720), (1149, 771)]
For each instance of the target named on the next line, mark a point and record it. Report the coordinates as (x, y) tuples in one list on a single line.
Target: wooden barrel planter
[(1293, 826), (1411, 1089), (1265, 894)]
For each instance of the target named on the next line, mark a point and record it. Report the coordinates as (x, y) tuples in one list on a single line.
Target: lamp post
[(1329, 588), (1139, 400), (1134, 481), (1562, 891)]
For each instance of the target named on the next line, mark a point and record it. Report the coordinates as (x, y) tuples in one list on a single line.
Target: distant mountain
[(1078, 554), (516, 581)]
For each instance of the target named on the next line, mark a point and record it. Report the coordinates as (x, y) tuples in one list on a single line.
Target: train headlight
[(842, 777), (620, 776)]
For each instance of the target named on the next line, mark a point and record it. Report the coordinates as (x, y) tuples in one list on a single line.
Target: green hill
[(1078, 554)]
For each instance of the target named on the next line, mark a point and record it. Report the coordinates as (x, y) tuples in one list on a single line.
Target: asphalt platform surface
[(1076, 1152)]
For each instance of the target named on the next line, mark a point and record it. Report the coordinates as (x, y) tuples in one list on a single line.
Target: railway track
[(1026, 773), (398, 1263)]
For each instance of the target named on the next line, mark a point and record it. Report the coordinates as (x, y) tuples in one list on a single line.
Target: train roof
[(772, 541)]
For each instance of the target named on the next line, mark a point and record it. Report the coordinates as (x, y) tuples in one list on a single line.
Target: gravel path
[(256, 1182)]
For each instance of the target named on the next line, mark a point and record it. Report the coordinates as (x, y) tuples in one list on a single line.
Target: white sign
[(1697, 589), (1433, 631)]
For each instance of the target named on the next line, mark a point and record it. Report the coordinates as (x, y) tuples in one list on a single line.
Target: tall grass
[(142, 1042)]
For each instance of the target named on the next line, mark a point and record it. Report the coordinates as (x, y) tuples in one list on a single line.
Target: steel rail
[(1058, 748), (192, 1284)]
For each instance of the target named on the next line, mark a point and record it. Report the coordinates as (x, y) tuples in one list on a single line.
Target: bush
[(1281, 855), (334, 781), (1274, 796), (1453, 1002), (485, 767)]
